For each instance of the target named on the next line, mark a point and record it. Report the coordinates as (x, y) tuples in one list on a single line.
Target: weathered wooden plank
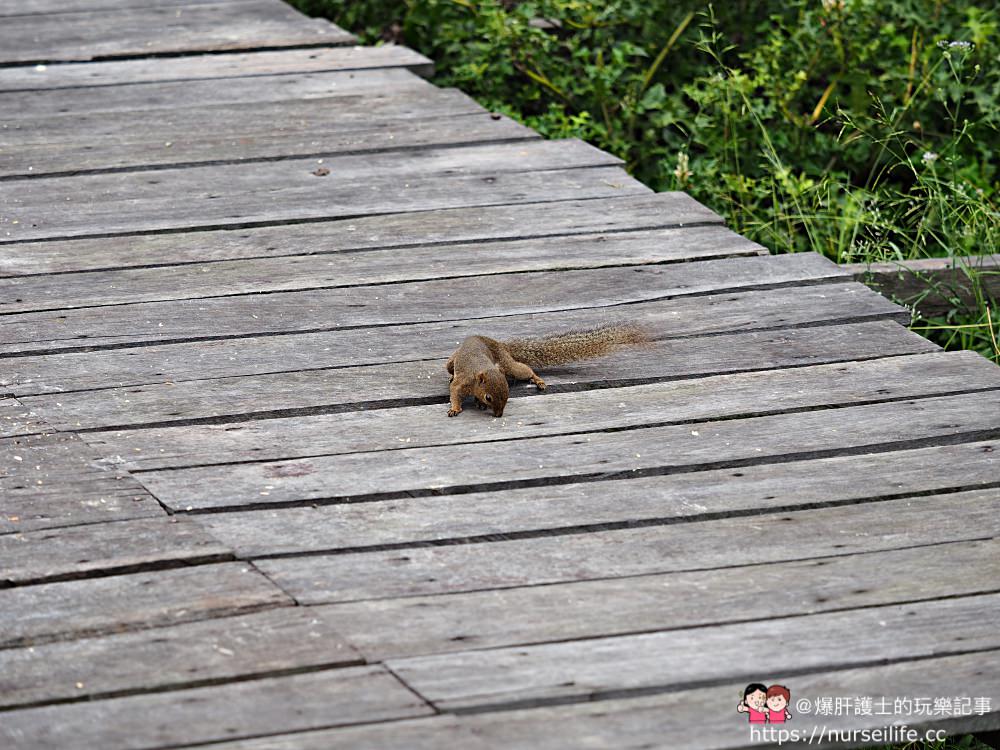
[(529, 674), (425, 301), (17, 419), (33, 7), (48, 481), (673, 318), (934, 285), (348, 88), (149, 30), (182, 143), (355, 695), (644, 500), (30, 615), (644, 722), (721, 543), (338, 114), (561, 458), (276, 640), (423, 382), (300, 272), (201, 67), (663, 601), (741, 394), (453, 225), (105, 548), (290, 190)]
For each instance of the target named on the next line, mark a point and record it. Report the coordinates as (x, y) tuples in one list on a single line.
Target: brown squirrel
[(481, 365)]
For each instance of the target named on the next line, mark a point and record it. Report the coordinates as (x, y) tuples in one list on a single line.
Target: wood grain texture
[(387, 429), (684, 497), (721, 543), (592, 455), (412, 383), (281, 191), (435, 227), (640, 723), (527, 674), (30, 615), (355, 695), (161, 98), (227, 278), (250, 142), (673, 318), (157, 29), (105, 548), (663, 601), (35, 7), (933, 285), (174, 656), (53, 480), (201, 67), (415, 302), (16, 419)]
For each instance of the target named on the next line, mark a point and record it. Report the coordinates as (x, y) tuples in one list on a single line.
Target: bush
[(859, 129)]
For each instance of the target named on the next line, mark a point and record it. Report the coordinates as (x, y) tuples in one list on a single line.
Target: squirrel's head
[(491, 390)]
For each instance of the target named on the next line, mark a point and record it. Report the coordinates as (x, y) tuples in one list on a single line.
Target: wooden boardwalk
[(235, 252)]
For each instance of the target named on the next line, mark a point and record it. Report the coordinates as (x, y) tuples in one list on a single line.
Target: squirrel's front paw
[(539, 383), (454, 412)]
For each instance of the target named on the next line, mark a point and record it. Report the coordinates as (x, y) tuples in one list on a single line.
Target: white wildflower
[(929, 157)]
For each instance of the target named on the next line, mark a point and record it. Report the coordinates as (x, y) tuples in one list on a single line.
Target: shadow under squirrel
[(480, 366)]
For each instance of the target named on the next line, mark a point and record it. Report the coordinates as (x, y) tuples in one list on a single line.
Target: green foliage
[(861, 129)]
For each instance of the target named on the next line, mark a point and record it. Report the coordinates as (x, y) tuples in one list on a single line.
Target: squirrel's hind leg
[(520, 371)]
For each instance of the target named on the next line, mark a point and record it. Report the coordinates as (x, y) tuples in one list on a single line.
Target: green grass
[(865, 130)]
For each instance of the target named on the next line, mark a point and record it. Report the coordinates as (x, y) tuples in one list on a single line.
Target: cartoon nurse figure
[(753, 703), (777, 704)]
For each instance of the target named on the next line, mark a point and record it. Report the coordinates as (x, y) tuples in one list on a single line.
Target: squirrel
[(480, 366)]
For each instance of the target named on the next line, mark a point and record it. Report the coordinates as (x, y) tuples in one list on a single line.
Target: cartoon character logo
[(765, 705), (753, 703), (777, 704)]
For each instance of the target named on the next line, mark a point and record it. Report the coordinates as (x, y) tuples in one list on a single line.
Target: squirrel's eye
[(489, 397)]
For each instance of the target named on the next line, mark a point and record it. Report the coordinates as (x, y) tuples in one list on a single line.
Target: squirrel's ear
[(481, 377)]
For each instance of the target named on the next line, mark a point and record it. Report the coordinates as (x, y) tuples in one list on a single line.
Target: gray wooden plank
[(339, 114), (48, 481), (30, 615), (649, 500), (349, 88), (355, 695), (301, 272), (273, 641), (289, 190), (416, 302), (722, 543), (184, 143), (935, 286), (34, 7), (105, 548), (452, 225), (149, 30), (672, 318), (200, 67), (426, 382), (528, 674), (563, 458), (714, 396), (16, 419), (664, 601), (640, 723)]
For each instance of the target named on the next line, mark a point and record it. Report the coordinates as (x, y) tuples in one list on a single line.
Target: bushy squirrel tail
[(576, 345)]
